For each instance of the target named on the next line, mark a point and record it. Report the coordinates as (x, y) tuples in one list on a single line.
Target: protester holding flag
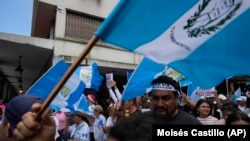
[(117, 92), (164, 98), (19, 119), (188, 100), (186, 104), (116, 96)]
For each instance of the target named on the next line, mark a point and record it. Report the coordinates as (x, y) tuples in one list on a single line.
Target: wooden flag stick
[(66, 76)]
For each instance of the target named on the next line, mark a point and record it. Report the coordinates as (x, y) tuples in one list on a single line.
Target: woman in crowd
[(80, 130), (203, 112)]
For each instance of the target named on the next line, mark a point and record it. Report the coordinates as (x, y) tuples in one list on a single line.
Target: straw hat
[(90, 118)]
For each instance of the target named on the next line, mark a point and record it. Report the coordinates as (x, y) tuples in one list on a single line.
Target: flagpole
[(66, 76)]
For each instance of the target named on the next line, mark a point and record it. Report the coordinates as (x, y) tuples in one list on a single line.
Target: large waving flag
[(204, 40), (90, 76), (69, 94)]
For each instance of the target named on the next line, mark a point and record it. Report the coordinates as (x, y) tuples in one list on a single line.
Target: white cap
[(222, 97), (242, 98)]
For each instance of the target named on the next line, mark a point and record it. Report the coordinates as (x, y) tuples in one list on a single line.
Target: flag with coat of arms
[(90, 75), (71, 94), (206, 41)]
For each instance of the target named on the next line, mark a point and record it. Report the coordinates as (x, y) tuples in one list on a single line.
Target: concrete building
[(61, 29)]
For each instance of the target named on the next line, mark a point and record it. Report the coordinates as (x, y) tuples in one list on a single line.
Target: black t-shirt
[(181, 118)]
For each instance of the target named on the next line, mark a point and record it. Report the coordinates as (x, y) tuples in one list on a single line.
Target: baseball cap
[(91, 97), (18, 106), (98, 108)]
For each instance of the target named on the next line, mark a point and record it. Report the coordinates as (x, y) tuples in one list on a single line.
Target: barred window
[(81, 26)]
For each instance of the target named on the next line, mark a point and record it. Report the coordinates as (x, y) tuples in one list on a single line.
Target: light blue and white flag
[(90, 76), (205, 40), (141, 78), (147, 70), (81, 104), (192, 92), (237, 94), (69, 93)]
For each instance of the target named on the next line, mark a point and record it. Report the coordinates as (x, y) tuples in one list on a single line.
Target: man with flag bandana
[(164, 102)]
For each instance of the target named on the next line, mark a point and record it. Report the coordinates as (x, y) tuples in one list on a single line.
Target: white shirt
[(98, 128), (210, 120), (80, 132)]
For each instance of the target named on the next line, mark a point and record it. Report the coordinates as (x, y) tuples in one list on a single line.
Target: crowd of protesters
[(120, 120)]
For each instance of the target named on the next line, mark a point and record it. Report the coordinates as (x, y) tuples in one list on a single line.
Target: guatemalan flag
[(205, 40), (139, 82), (71, 94), (90, 76)]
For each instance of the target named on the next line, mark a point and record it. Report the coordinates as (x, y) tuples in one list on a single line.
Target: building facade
[(65, 27)]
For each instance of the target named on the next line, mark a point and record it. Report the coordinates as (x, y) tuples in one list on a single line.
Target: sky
[(16, 16)]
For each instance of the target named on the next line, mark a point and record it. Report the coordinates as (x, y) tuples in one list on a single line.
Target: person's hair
[(238, 115), (84, 119), (167, 80), (197, 105), (229, 106), (133, 128)]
